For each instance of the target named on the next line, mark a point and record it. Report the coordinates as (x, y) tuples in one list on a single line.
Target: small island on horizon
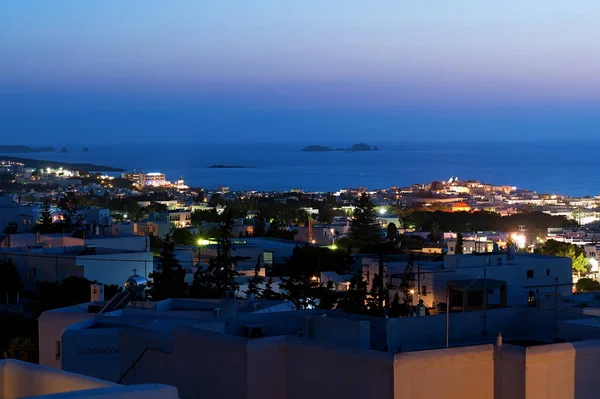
[(354, 148)]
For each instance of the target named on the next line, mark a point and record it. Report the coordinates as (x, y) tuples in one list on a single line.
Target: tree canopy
[(587, 285), (364, 225), (576, 253), (168, 280), (10, 281), (219, 277)]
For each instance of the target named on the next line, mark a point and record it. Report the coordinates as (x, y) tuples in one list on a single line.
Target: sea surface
[(567, 168)]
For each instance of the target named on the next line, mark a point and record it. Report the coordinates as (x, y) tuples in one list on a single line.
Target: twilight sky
[(298, 70)]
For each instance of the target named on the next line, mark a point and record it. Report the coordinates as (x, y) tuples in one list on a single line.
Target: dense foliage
[(168, 280), (567, 250)]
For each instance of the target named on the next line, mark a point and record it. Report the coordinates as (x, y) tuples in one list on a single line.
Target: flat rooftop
[(19, 380), (77, 250)]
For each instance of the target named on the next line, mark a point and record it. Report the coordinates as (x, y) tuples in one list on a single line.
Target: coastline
[(81, 167)]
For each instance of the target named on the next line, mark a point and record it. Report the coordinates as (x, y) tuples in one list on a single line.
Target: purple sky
[(400, 68)]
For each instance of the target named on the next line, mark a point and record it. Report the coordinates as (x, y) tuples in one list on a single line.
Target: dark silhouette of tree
[(300, 287), (168, 280), (325, 215), (45, 225), (58, 294), (133, 210), (255, 282), (268, 293), (17, 325), (395, 307), (111, 290), (200, 198), (392, 232), (215, 200), (355, 300), (10, 281), (183, 237), (407, 282), (587, 285), (327, 297), (378, 296), (458, 249), (434, 235), (364, 225), (157, 207), (260, 225), (24, 349), (219, 276)]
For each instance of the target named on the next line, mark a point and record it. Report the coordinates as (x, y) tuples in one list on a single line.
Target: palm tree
[(22, 348)]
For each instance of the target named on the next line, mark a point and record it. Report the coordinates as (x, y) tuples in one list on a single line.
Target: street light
[(201, 242)]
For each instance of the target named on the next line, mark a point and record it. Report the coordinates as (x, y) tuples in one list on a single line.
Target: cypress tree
[(168, 280)]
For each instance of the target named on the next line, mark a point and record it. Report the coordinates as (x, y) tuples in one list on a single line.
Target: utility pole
[(381, 282), (555, 308), (418, 283), (485, 301), (448, 317)]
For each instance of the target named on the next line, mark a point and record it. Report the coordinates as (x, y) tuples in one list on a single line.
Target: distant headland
[(354, 148), (23, 149), (82, 167)]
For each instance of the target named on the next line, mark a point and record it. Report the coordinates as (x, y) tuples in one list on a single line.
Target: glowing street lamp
[(201, 242), (382, 211)]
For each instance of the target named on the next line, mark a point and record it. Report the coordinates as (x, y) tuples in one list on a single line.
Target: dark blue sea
[(567, 168)]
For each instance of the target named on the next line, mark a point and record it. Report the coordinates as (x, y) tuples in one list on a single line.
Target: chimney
[(510, 253), (97, 293), (228, 304)]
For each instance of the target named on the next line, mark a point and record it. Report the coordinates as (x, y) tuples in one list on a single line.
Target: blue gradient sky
[(298, 70)]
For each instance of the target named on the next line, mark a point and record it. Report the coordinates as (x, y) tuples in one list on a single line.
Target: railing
[(138, 360)]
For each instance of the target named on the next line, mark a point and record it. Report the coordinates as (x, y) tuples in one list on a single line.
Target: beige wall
[(51, 326), (150, 391), (509, 372), (454, 373), (23, 379), (566, 371)]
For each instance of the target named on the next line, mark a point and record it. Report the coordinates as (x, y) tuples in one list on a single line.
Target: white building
[(153, 179), (517, 280), (196, 347), (177, 218), (107, 266), (16, 217)]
